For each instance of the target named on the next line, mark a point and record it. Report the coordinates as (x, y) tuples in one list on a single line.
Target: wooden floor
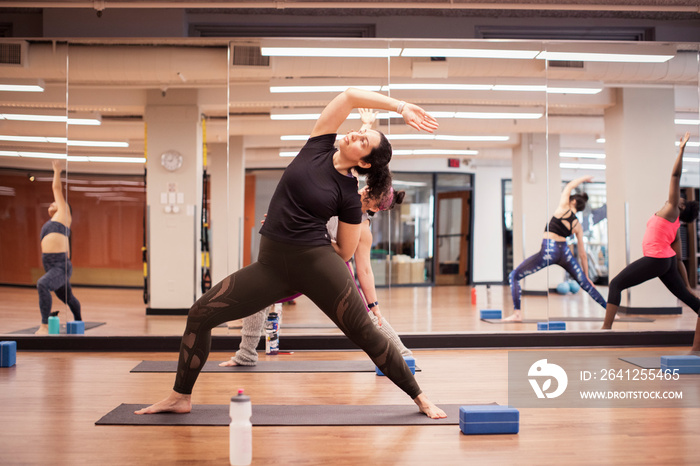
[(50, 402), (444, 309)]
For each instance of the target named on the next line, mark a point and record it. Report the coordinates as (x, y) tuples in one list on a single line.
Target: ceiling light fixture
[(60, 140), (469, 53), (582, 166), (603, 57), (332, 52), (93, 120), (22, 85), (70, 158), (582, 155)]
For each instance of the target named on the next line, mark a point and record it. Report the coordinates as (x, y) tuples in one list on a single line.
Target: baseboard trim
[(340, 342)]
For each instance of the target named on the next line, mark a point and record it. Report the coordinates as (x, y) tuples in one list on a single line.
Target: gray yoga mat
[(62, 328), (645, 362), (286, 415), (567, 319), (266, 366)]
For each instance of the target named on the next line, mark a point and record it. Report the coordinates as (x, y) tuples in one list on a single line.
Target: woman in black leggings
[(296, 254), (661, 247)]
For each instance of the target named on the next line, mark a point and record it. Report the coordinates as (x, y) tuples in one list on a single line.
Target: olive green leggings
[(283, 270)]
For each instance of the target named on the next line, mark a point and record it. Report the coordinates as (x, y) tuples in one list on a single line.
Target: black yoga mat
[(286, 415), (266, 366), (645, 362), (62, 328)]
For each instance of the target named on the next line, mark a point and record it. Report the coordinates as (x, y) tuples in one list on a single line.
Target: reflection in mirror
[(623, 138), (140, 185), (33, 215), (515, 131)]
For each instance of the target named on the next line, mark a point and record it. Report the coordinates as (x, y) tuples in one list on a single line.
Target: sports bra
[(54, 227), (557, 227)]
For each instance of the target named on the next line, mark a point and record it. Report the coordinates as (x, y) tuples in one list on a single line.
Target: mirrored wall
[(182, 145)]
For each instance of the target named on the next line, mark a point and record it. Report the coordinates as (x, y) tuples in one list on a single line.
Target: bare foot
[(516, 316), (42, 330), (428, 408), (229, 363), (174, 403)]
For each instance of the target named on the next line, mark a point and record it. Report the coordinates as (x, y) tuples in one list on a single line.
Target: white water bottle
[(240, 430)]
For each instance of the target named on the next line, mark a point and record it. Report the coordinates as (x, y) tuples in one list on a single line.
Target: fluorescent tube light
[(436, 87), (70, 158), (98, 143), (582, 166), (496, 115), (115, 159), (686, 121), (414, 137), (469, 53), (334, 52), (434, 152), (582, 155), (94, 121), (603, 57), (60, 140), (438, 115), (22, 85), (304, 89), (299, 116), (552, 88)]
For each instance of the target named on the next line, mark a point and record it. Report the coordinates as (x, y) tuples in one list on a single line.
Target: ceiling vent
[(13, 53), (565, 64), (248, 55)]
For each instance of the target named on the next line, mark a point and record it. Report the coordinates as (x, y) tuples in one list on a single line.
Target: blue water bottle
[(272, 342), (54, 325)]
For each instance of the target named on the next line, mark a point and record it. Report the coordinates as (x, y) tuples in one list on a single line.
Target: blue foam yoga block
[(553, 325), (8, 353), (410, 360), (76, 327), (491, 314), (687, 364), (489, 419)]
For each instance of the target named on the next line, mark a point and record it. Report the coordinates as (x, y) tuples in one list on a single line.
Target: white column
[(488, 230), (227, 168), (174, 199), (536, 191), (640, 150)]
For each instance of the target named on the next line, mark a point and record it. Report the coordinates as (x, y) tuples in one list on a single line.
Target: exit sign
[(453, 163)]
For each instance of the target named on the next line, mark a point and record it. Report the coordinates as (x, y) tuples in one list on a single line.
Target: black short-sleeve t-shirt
[(310, 192)]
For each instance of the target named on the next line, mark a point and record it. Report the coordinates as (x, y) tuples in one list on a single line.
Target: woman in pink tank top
[(661, 247)]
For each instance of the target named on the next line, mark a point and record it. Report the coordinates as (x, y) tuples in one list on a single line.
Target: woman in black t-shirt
[(296, 254)]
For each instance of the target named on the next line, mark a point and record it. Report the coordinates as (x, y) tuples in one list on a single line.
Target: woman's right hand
[(417, 118), (57, 166), (684, 140)]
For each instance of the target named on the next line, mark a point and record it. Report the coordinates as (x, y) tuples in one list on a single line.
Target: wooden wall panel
[(107, 229)]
